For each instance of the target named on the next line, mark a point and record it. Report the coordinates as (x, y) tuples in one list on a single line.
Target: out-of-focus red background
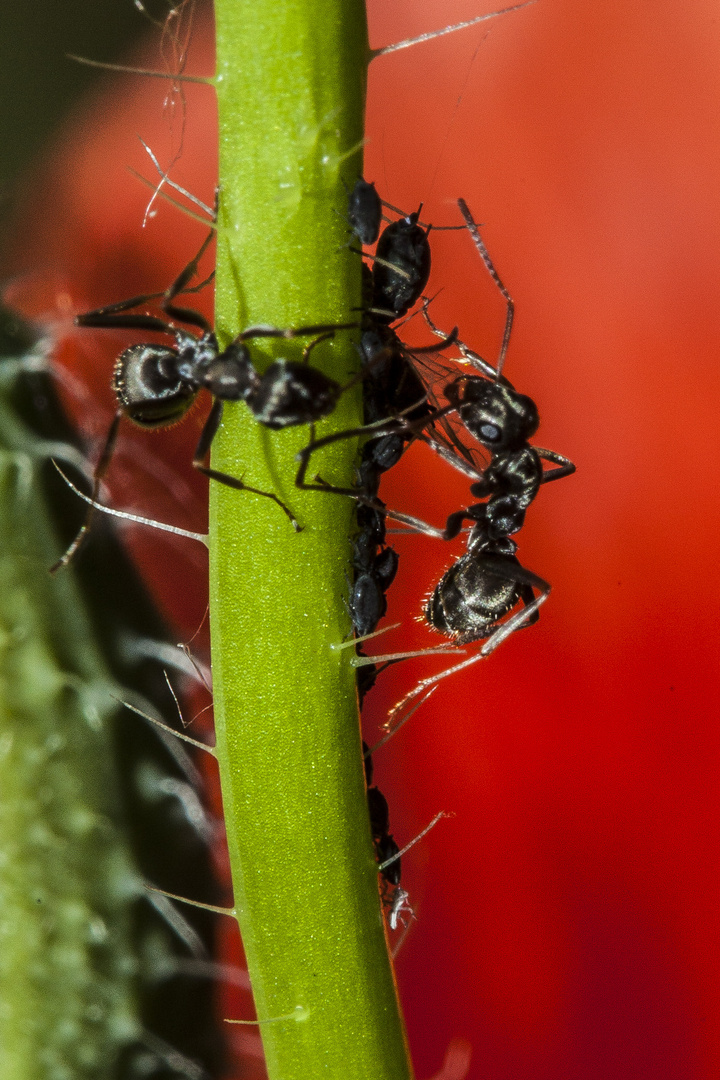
[(568, 914)]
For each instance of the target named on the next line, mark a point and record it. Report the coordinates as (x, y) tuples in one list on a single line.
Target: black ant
[(470, 603), (484, 585), (155, 385)]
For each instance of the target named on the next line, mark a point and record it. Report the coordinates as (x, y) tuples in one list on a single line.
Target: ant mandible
[(155, 385)]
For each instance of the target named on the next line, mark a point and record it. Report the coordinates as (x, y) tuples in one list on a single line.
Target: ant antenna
[(425, 831), (95, 505), (485, 256)]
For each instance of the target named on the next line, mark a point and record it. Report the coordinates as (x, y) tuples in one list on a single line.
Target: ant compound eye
[(489, 433)]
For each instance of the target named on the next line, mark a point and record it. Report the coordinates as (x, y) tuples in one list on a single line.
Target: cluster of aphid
[(474, 597), (406, 398)]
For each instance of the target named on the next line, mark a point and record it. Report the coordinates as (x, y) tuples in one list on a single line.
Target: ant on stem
[(155, 385)]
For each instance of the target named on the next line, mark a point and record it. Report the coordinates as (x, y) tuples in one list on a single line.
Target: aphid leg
[(100, 470), (207, 435)]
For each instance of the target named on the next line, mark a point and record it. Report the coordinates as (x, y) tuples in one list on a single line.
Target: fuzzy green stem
[(291, 85)]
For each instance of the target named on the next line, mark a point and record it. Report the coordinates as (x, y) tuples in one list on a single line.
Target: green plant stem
[(291, 85)]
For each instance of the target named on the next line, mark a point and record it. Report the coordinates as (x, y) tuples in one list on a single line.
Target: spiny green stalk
[(68, 966), (83, 955), (291, 85)]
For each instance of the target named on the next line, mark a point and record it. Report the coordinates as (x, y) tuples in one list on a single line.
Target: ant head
[(149, 388), (496, 415)]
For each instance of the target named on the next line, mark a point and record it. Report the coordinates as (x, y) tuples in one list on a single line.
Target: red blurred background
[(568, 912)]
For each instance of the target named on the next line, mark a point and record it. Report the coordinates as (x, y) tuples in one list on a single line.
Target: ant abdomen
[(470, 600), (148, 388)]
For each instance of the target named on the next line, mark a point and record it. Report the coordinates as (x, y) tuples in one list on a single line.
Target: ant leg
[(475, 359), (484, 255), (565, 466), (416, 524), (207, 435), (458, 463), (447, 340), (106, 317), (306, 359), (100, 470), (293, 332), (373, 430), (529, 613), (525, 617), (186, 315)]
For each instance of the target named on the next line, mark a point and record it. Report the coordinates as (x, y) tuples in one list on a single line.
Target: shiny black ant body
[(481, 589), (155, 385), (390, 388)]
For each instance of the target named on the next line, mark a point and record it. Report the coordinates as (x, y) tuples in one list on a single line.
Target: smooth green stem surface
[(291, 86)]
